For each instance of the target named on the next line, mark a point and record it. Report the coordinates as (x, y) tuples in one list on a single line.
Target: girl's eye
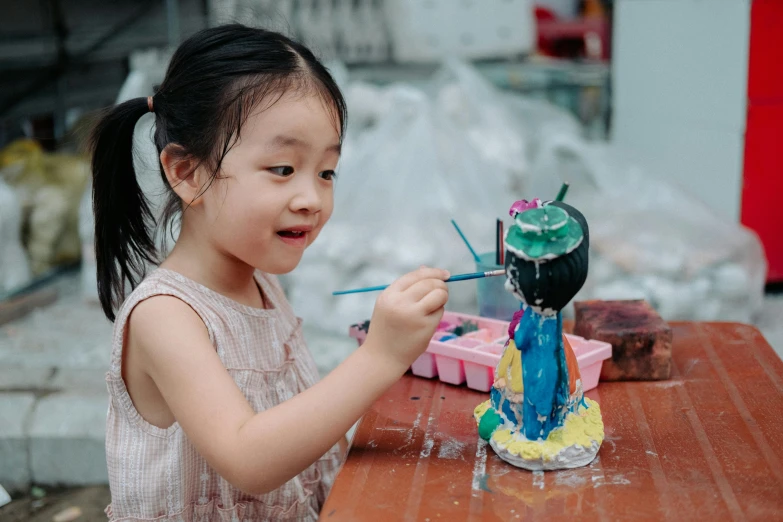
[(284, 170), (328, 175)]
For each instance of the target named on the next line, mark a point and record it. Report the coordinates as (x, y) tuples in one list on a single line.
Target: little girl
[(216, 412)]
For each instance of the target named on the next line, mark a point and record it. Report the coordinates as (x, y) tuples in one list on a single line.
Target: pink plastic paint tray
[(471, 357)]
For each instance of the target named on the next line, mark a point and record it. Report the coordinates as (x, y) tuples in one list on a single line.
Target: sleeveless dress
[(157, 474)]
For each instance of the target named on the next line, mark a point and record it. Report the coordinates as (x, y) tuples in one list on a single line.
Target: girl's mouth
[(297, 238)]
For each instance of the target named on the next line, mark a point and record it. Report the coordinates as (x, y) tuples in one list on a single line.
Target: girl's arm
[(258, 452)]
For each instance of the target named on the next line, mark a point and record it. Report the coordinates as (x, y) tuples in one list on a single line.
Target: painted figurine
[(537, 417)]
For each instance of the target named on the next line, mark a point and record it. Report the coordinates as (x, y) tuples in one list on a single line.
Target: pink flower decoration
[(515, 320), (522, 205)]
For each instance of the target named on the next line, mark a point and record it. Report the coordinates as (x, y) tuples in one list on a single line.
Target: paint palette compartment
[(471, 357)]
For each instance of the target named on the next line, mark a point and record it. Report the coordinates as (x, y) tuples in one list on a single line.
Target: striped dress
[(157, 474)]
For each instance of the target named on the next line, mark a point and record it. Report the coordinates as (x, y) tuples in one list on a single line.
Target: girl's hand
[(407, 313)]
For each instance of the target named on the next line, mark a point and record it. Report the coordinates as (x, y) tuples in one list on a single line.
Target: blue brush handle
[(467, 243), (459, 277)]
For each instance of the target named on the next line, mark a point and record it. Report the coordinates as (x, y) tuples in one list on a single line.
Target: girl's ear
[(182, 174)]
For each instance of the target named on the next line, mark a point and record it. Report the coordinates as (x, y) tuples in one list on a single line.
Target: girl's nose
[(308, 198)]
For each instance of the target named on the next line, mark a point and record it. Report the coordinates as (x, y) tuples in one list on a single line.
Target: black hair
[(552, 284), (215, 78)]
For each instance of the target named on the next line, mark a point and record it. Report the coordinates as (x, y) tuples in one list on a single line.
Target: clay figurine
[(537, 416)]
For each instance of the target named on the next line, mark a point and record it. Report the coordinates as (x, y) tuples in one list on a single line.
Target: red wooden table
[(705, 445)]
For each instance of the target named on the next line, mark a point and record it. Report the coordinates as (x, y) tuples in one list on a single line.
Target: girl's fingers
[(409, 279), (418, 290), (434, 301)]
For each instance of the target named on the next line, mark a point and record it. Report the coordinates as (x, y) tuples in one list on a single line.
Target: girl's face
[(278, 185)]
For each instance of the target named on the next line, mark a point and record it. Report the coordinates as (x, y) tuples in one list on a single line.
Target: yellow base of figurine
[(573, 445)]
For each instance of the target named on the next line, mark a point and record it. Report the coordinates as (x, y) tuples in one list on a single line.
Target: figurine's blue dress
[(544, 376)]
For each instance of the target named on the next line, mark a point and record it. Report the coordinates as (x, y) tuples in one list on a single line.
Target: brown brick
[(641, 341)]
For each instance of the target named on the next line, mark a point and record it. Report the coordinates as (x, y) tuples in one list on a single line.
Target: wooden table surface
[(705, 445)]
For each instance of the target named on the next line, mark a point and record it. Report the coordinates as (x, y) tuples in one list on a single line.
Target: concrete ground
[(88, 503), (53, 399)]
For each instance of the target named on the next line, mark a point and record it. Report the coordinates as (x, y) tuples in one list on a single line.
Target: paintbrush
[(562, 193), (459, 277), (467, 243), (499, 247)]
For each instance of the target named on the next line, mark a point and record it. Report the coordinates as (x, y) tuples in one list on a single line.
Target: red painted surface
[(765, 78), (762, 191), (567, 38)]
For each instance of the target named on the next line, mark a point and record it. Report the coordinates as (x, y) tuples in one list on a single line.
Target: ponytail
[(122, 214)]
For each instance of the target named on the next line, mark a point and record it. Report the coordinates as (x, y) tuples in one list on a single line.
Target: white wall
[(679, 92)]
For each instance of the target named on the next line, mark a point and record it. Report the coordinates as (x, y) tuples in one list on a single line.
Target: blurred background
[(663, 117)]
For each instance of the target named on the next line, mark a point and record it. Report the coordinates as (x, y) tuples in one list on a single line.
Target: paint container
[(483, 335), (444, 326), (467, 359), (494, 301)]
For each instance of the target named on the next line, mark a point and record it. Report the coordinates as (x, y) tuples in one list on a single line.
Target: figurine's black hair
[(553, 283)]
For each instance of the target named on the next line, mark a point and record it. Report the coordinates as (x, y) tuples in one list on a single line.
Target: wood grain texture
[(705, 445)]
